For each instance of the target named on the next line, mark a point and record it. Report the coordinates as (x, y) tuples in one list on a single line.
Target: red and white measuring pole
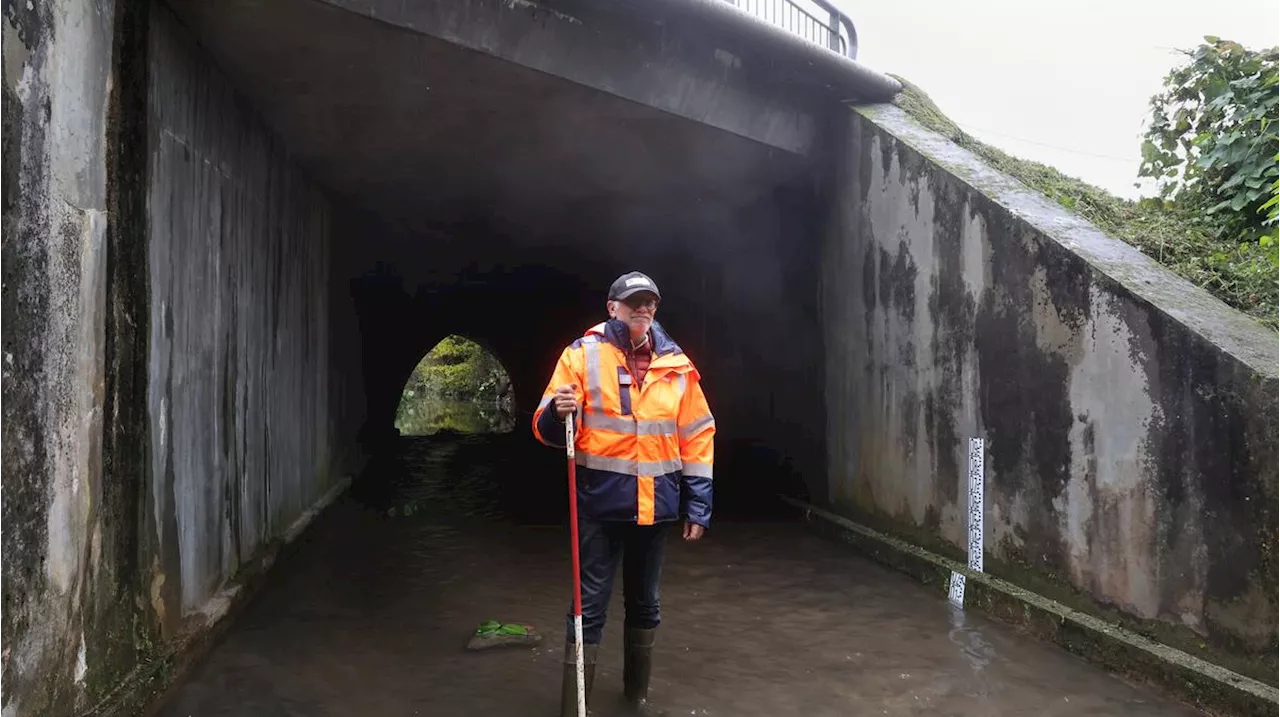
[(577, 583)]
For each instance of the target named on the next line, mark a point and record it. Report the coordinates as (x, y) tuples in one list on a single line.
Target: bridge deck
[(370, 615)]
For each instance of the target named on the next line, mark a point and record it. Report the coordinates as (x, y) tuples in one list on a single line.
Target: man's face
[(636, 311)]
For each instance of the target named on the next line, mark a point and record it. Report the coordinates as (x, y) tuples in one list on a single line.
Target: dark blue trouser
[(599, 546)]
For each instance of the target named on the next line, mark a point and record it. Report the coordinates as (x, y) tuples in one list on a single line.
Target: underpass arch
[(492, 410), (857, 336), (523, 316)]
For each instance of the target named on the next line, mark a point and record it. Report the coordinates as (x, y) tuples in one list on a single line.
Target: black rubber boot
[(637, 665), (569, 681)]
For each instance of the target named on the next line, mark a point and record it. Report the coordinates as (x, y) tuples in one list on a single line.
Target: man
[(644, 445)]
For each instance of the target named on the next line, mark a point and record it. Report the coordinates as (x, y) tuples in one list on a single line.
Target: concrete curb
[(1203, 684), (143, 690)]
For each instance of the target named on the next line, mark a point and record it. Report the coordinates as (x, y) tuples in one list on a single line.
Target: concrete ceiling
[(434, 136)]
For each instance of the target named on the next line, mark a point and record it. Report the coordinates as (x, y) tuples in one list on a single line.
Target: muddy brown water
[(369, 614)]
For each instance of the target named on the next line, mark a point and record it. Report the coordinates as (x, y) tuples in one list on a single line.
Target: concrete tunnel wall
[(243, 433), (172, 405), (1130, 418)]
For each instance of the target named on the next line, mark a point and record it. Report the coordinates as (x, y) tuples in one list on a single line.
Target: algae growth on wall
[(1130, 418)]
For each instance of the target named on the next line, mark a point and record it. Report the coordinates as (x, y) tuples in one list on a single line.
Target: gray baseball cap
[(630, 283)]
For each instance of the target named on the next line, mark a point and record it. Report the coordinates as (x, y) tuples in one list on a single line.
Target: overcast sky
[(1061, 82)]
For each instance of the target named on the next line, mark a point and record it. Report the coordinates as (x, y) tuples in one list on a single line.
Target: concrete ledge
[(1207, 686), (143, 690)]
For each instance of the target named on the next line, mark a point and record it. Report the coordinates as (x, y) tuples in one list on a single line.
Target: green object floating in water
[(492, 633)]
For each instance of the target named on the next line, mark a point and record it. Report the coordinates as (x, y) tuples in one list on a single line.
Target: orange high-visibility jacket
[(644, 453)]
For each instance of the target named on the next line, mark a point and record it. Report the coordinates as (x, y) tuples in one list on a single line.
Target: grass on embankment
[(1244, 278)]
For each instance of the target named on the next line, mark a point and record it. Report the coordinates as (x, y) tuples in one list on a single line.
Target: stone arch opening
[(459, 386)]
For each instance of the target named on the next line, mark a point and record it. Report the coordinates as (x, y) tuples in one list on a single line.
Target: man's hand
[(565, 401), (693, 531)]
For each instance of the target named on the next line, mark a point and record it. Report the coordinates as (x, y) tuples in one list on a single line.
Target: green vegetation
[(1208, 143), (459, 387), (1213, 144)]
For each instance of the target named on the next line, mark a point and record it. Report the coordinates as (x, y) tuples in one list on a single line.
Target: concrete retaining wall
[(1130, 417)]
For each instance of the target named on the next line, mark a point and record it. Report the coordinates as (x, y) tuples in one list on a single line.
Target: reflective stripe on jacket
[(644, 452)]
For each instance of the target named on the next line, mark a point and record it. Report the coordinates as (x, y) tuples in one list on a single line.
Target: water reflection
[(436, 415)]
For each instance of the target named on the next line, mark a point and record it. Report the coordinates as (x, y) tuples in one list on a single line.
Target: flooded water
[(370, 613)]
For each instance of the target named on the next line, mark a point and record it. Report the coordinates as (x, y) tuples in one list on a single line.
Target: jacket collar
[(617, 333)]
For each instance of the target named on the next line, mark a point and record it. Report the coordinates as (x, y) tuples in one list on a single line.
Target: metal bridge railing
[(817, 21)]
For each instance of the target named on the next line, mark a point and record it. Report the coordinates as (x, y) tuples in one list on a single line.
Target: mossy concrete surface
[(1209, 687), (1129, 418)]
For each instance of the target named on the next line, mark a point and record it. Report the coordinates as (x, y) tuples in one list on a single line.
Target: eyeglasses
[(635, 302)]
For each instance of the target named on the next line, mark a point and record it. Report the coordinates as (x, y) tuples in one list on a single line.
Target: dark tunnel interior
[(737, 297), (474, 196)]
